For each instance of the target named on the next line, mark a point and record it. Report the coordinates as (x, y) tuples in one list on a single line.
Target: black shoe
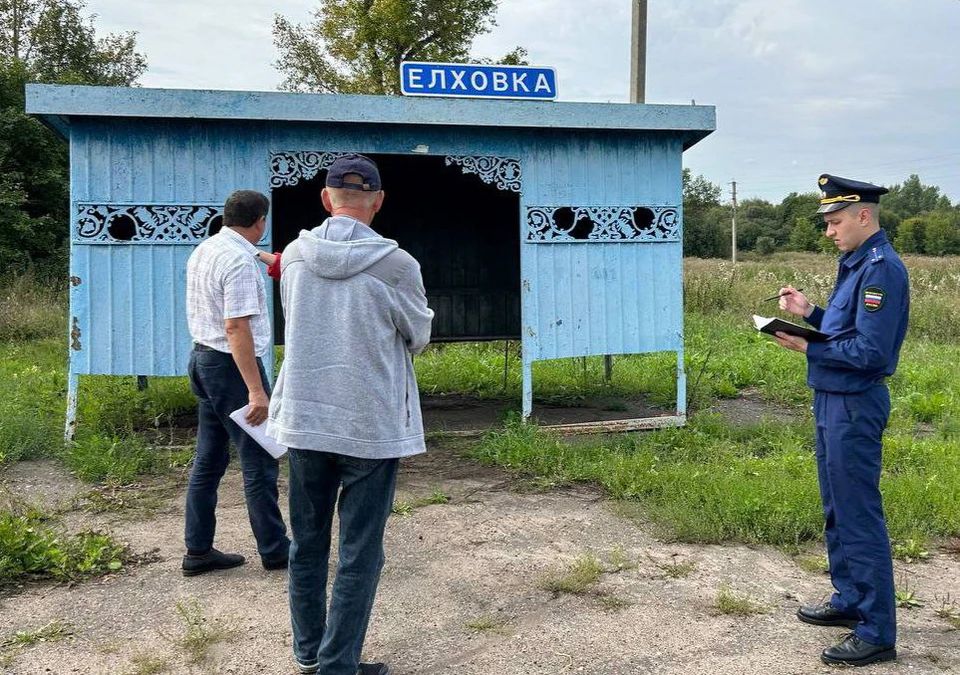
[(373, 669), (280, 564), (826, 615), (852, 651), (364, 669), (209, 561), (307, 668)]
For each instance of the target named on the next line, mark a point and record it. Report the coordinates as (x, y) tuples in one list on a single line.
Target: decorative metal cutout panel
[(602, 223), (289, 168), (145, 223), (503, 172)]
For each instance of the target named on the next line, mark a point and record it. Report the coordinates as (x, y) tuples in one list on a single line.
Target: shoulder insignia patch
[(875, 255), (873, 297)]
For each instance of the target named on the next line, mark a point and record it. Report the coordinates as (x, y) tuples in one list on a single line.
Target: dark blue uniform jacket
[(866, 319)]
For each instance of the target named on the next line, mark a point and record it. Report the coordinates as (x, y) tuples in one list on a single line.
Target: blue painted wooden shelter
[(558, 224)]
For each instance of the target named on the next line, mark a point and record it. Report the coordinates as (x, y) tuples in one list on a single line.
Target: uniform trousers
[(849, 457)]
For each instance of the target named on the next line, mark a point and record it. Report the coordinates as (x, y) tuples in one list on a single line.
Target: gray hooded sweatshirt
[(355, 312)]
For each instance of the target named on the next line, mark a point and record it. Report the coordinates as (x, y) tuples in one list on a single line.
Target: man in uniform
[(866, 318)]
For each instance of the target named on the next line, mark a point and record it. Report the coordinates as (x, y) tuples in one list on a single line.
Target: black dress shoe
[(280, 564), (826, 615), (364, 669), (852, 651), (210, 561)]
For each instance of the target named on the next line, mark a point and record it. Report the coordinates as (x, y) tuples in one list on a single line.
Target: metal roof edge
[(67, 101)]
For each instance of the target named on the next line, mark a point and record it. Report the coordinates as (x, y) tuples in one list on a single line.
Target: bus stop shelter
[(555, 224)]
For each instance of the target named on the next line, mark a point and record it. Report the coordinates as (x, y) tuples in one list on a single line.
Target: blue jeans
[(335, 638), (216, 380)]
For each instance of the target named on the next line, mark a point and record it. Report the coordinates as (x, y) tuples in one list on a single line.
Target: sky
[(866, 89)]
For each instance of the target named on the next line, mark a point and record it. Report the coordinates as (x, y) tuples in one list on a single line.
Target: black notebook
[(770, 325)]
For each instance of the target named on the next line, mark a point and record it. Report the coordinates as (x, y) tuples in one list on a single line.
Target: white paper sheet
[(258, 433)]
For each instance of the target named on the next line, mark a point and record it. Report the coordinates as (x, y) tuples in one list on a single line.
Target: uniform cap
[(837, 193)]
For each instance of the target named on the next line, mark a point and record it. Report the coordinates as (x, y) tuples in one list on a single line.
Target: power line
[(938, 172), (897, 170)]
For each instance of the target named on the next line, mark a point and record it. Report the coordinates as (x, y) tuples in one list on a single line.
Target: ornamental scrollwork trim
[(289, 168), (145, 223), (602, 223), (503, 172)]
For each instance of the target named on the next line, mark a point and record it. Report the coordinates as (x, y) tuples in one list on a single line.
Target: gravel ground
[(462, 591)]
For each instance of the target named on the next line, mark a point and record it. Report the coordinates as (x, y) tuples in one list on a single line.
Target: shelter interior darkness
[(464, 232)]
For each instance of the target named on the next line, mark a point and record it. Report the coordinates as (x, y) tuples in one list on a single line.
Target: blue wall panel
[(578, 298), (130, 300), (589, 298), (155, 148)]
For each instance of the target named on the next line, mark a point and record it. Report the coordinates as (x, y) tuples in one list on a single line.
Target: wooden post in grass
[(73, 389), (506, 362)]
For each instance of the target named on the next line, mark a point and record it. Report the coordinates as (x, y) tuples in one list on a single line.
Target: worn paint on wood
[(578, 296)]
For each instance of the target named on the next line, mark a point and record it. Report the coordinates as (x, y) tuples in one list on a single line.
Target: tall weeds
[(31, 309)]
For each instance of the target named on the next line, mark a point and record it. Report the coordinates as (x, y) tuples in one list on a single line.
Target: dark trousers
[(334, 638), (849, 452), (216, 380)]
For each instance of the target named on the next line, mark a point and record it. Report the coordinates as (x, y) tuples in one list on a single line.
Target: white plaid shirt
[(224, 281)]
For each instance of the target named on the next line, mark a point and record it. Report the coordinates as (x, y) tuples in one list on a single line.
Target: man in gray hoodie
[(346, 404)]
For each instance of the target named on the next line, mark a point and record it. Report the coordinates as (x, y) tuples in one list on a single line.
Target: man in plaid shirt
[(230, 327)]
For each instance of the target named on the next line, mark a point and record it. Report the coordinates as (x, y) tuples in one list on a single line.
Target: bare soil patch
[(459, 412), (41, 483), (751, 408), (466, 413)]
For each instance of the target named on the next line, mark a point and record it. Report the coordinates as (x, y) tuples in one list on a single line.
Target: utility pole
[(638, 53), (733, 226), (638, 86)]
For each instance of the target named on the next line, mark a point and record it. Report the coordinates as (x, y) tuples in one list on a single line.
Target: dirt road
[(463, 592)]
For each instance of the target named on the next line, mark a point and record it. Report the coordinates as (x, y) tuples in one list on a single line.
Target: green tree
[(758, 218), (765, 245), (911, 198), (889, 221), (798, 205), (942, 232), (799, 221), (706, 223), (46, 41), (805, 236), (356, 46), (699, 193), (910, 235)]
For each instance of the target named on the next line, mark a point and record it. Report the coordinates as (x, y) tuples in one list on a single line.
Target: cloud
[(798, 84)]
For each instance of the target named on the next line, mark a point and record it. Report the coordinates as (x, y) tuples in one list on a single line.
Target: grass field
[(711, 481)]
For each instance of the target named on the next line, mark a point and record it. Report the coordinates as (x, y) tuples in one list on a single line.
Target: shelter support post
[(681, 385), (527, 388), (506, 363), (73, 386)]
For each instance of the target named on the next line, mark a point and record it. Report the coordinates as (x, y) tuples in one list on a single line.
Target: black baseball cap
[(360, 165)]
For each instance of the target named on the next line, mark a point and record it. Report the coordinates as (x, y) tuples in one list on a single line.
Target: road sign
[(477, 81)]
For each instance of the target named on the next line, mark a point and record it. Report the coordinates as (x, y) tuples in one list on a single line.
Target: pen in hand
[(774, 297)]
